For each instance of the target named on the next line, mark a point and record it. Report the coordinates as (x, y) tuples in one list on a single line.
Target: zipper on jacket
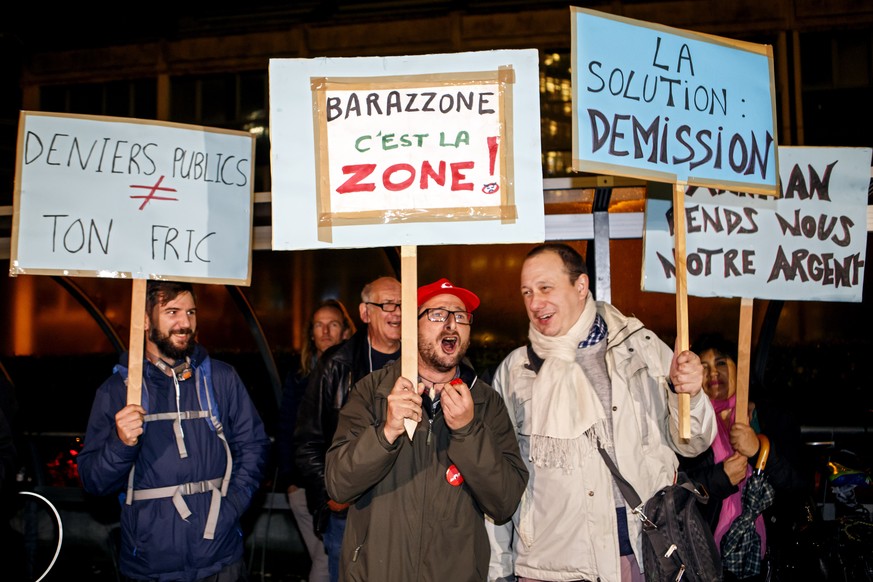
[(355, 555), (431, 416)]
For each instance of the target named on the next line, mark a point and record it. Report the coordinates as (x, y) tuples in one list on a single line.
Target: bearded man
[(187, 459), (418, 505)]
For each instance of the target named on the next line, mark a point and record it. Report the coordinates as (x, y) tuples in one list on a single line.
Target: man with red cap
[(419, 504)]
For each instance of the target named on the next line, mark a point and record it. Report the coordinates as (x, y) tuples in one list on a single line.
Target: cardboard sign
[(671, 105), (111, 197), (808, 245), (435, 149)]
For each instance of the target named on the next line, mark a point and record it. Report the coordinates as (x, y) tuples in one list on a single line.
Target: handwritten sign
[(671, 105), (810, 244), (111, 197), (435, 149)]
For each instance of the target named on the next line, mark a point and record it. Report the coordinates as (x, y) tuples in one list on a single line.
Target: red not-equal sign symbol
[(151, 195)]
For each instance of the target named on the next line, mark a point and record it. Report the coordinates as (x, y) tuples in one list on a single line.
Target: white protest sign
[(421, 150), (808, 245), (112, 197), (672, 105)]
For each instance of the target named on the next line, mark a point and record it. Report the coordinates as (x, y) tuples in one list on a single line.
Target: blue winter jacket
[(156, 542)]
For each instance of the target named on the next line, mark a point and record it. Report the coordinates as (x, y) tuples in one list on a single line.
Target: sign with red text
[(808, 245), (435, 149), (112, 197), (671, 105)]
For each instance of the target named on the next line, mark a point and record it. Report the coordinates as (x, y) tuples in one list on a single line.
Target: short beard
[(166, 347), (440, 362)]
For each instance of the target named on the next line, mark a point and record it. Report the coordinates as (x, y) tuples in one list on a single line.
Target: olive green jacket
[(408, 522)]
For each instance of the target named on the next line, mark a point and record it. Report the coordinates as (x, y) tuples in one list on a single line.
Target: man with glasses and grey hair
[(375, 344), (419, 504)]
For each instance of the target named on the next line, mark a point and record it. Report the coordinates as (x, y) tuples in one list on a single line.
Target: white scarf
[(567, 417)]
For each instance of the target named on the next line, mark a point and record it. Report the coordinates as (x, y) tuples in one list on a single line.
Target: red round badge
[(454, 477)]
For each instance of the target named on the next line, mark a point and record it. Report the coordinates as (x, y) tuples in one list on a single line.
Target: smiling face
[(383, 327), (441, 345), (553, 302), (719, 375), (172, 326)]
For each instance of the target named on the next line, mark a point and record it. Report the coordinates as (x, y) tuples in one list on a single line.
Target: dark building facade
[(190, 62), (204, 64)]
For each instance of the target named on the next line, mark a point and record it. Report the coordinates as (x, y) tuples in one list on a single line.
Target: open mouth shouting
[(449, 344), (443, 352)]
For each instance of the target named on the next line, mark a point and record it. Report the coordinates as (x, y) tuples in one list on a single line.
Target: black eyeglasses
[(439, 315), (389, 307)]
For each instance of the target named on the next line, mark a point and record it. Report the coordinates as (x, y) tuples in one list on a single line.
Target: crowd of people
[(440, 476)]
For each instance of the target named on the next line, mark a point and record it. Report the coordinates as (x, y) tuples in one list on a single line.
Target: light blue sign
[(670, 105), (807, 245), (130, 198)]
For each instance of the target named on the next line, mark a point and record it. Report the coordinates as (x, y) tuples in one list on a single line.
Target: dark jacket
[(329, 385), (785, 470), (156, 542), (703, 470), (408, 522), (292, 394)]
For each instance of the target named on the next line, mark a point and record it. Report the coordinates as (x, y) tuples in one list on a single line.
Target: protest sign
[(807, 245), (406, 151), (432, 149), (112, 197), (810, 244), (671, 105), (126, 198)]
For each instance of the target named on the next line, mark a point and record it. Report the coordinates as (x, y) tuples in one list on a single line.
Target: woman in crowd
[(724, 468)]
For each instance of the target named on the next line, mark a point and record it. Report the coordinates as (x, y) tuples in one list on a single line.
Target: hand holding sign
[(404, 409)]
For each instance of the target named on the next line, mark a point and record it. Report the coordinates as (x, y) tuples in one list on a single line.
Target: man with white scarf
[(585, 359)]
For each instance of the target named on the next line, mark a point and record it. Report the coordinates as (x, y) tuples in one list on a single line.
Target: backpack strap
[(215, 423), (177, 418), (205, 394), (219, 485), (177, 492)]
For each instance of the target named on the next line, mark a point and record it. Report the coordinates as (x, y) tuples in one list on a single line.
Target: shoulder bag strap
[(663, 549), (630, 494)]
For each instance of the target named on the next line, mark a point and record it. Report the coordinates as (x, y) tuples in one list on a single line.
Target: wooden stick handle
[(744, 357), (409, 321), (681, 298), (137, 338)]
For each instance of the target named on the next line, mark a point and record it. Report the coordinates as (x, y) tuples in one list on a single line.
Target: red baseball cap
[(444, 286)]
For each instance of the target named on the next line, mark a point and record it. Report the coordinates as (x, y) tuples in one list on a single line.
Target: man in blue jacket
[(186, 461)]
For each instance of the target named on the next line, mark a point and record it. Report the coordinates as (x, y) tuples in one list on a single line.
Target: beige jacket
[(565, 526)]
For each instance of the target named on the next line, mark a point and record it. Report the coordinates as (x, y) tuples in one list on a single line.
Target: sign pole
[(744, 356), (137, 337), (409, 321), (681, 298)]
